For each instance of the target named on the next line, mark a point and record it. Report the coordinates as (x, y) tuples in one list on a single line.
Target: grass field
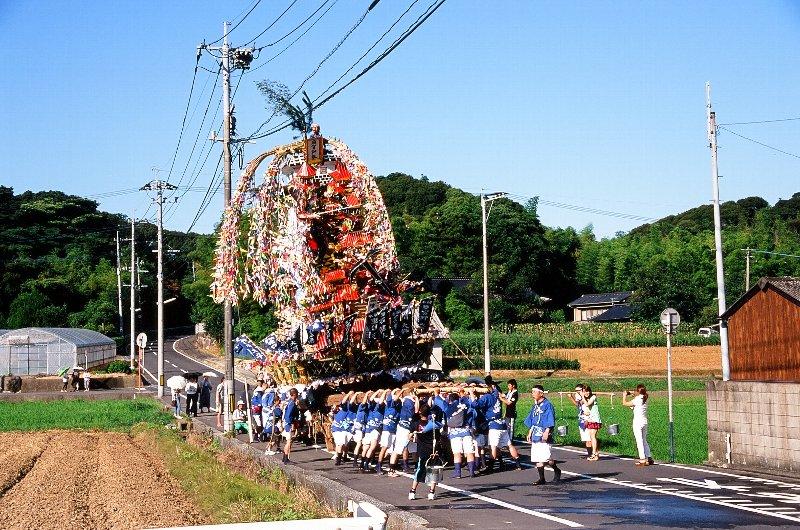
[(106, 415), (689, 412), (226, 486)]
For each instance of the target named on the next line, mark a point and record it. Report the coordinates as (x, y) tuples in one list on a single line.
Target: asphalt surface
[(610, 493)]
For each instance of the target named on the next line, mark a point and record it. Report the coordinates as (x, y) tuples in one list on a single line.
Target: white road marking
[(182, 370), (673, 492), (497, 502), (175, 349), (690, 468)]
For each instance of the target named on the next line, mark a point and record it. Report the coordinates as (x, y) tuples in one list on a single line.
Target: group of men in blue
[(395, 422)]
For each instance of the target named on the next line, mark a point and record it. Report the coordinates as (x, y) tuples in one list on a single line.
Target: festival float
[(314, 240)]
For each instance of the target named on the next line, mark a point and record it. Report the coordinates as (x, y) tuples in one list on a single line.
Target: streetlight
[(484, 216)]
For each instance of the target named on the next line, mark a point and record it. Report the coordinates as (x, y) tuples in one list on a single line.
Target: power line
[(209, 195), (185, 114), (397, 21), (774, 253), (762, 144), (273, 23), (410, 30), (298, 37), (585, 209), (237, 24), (199, 132), (324, 59), (758, 122)]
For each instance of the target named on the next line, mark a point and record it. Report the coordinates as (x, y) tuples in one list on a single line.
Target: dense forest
[(58, 260)]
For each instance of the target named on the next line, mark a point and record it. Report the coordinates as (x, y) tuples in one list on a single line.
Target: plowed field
[(95, 480), (686, 360)]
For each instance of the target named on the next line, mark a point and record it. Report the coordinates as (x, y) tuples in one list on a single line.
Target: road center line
[(496, 502)]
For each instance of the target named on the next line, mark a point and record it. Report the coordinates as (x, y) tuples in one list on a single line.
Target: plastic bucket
[(434, 475), (613, 429), (562, 430)]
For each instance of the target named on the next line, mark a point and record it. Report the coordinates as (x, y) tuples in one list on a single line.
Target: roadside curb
[(331, 492)]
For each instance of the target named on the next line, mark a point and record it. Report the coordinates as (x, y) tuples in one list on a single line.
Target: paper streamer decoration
[(320, 249)]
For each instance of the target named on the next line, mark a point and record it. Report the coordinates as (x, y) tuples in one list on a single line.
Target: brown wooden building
[(764, 332)]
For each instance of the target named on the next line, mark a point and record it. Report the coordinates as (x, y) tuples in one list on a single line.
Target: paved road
[(611, 493)]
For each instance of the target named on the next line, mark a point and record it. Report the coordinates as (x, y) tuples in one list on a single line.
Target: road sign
[(141, 340), (670, 320)]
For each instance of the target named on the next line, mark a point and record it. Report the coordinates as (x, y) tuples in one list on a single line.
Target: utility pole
[(721, 304), (119, 292), (133, 289), (241, 58), (747, 269), (487, 363), (159, 186)]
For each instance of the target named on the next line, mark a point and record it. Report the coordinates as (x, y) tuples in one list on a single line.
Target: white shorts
[(401, 440), (387, 439), (371, 436), (462, 445), (358, 432), (288, 434), (342, 438), (257, 420), (540, 452), (498, 438), (585, 435)]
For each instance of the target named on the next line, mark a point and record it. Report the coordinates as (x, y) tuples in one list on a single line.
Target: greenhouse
[(31, 351)]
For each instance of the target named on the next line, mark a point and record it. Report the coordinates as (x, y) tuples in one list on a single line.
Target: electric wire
[(584, 209), (295, 40), (272, 24), (758, 122), (410, 30), (762, 144), (237, 24), (199, 132), (197, 172), (403, 36), (324, 59), (397, 21), (185, 114)]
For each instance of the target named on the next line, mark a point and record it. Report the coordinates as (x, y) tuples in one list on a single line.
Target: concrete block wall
[(762, 420)]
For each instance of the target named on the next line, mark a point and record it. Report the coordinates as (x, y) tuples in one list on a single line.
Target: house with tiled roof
[(602, 307)]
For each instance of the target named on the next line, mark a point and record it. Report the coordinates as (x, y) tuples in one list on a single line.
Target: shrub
[(118, 367)]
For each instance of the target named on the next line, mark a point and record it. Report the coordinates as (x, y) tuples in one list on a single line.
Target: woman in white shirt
[(639, 406)]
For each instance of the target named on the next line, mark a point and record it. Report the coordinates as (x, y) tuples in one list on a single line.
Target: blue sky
[(597, 105)]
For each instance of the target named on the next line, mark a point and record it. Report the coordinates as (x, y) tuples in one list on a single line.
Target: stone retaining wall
[(754, 425)]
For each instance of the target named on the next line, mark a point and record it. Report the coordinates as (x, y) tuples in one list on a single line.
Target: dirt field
[(97, 480), (686, 360)]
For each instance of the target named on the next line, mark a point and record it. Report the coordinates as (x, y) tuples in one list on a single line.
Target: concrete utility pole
[(747, 269), (159, 186), (133, 289), (119, 292), (487, 363), (721, 304), (241, 59)]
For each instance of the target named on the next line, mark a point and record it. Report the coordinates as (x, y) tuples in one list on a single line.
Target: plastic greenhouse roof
[(77, 336)]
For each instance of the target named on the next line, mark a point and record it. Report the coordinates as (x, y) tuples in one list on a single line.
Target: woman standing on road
[(591, 415), (639, 406), (205, 394)]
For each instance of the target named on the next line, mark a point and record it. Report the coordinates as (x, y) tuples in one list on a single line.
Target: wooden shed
[(764, 332)]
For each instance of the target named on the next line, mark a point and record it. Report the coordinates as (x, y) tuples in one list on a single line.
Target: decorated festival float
[(314, 240)]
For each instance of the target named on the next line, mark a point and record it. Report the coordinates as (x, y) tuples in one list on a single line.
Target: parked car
[(707, 332)]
